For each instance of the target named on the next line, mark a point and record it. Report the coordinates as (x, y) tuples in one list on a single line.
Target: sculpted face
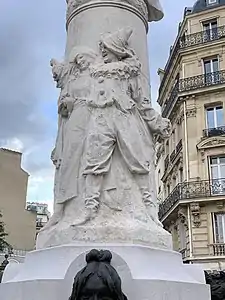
[(57, 70), (107, 55), (82, 61)]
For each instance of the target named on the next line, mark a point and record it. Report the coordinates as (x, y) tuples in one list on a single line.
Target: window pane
[(214, 24), (219, 116), (219, 230), (207, 66), (210, 118), (221, 160), (222, 171), (215, 65), (213, 160), (206, 26), (214, 170)]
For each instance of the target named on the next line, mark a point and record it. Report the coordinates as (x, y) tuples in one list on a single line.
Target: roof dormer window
[(212, 2)]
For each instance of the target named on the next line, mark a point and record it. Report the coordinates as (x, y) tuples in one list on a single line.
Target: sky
[(31, 33)]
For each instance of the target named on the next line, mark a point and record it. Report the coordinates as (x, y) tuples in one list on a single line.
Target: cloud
[(161, 36), (31, 34)]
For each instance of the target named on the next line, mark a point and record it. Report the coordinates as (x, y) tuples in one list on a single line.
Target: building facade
[(20, 224), (190, 165), (42, 212)]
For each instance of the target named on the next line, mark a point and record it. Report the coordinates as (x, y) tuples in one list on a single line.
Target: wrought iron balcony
[(217, 131), (179, 146), (166, 162), (186, 41), (217, 249), (171, 99), (202, 37), (183, 252), (201, 81), (192, 190), (173, 156), (193, 83)]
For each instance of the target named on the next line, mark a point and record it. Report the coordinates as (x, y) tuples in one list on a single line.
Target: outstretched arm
[(156, 123)]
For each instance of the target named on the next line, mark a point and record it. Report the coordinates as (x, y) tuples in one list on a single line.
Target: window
[(217, 165), (211, 65), (214, 117), (210, 30), (217, 168), (181, 175), (212, 2), (219, 227), (211, 68)]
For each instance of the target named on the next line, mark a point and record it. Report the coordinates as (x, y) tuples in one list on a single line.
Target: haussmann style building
[(20, 224), (190, 165)]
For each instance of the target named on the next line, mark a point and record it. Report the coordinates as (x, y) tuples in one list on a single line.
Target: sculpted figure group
[(104, 120)]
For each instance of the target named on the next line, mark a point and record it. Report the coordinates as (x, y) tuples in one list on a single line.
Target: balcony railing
[(217, 131), (193, 83), (194, 39), (183, 252), (166, 162), (179, 147), (192, 190), (173, 155), (201, 81), (217, 249), (14, 252), (202, 37)]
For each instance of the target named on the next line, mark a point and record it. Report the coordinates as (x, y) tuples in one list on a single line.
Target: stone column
[(87, 19)]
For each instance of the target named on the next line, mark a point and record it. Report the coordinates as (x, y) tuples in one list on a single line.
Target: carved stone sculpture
[(104, 153), (98, 279)]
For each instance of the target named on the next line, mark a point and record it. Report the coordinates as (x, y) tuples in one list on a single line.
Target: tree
[(3, 234)]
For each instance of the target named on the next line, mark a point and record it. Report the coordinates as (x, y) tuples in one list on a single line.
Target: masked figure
[(74, 80), (120, 119)]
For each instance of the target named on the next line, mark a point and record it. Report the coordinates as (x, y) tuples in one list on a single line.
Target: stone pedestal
[(146, 273)]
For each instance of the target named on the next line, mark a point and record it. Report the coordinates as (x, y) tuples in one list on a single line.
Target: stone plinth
[(146, 273)]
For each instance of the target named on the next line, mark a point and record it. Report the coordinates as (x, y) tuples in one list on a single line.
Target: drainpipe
[(187, 178), (190, 231), (186, 143)]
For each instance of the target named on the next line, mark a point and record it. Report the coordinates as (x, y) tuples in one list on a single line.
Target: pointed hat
[(117, 42)]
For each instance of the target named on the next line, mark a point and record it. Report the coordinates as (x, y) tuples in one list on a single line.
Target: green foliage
[(3, 234)]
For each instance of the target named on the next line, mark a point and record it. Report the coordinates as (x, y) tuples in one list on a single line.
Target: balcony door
[(219, 227), (217, 168), (210, 29), (211, 68), (214, 116)]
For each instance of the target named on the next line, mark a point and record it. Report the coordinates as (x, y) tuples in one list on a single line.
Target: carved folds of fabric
[(117, 70)]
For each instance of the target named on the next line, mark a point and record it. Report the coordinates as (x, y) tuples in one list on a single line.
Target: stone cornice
[(211, 142), (106, 3)]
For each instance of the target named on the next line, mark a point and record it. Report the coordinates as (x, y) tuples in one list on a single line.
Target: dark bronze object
[(217, 285), (98, 280)]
